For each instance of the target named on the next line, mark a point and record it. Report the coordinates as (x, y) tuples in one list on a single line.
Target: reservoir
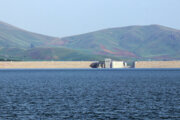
[(89, 94)]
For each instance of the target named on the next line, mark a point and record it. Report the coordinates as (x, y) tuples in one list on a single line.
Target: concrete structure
[(157, 64), (108, 63), (119, 64), (46, 64)]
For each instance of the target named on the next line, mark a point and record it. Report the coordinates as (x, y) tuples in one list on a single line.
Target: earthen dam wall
[(157, 64), (45, 64)]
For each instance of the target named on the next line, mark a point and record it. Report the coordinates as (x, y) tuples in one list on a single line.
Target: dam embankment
[(157, 64), (45, 64), (80, 64)]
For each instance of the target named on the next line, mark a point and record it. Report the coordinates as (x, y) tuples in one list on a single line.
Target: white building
[(108, 63), (119, 64), (114, 64)]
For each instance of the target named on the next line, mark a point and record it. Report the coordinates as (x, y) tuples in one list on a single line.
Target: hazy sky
[(68, 17)]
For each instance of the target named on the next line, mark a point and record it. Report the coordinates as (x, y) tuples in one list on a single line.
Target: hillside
[(153, 41), (46, 54), (125, 43), (11, 36), (19, 44)]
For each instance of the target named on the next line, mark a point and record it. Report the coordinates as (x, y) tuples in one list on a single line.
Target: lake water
[(90, 94)]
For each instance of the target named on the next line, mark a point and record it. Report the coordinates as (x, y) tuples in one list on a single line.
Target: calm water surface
[(90, 94)]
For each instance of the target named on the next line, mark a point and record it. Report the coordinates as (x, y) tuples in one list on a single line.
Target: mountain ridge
[(129, 39), (129, 42), (17, 37)]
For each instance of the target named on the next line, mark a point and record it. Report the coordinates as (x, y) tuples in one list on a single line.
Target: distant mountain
[(125, 43), (153, 41), (19, 44), (11, 36)]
